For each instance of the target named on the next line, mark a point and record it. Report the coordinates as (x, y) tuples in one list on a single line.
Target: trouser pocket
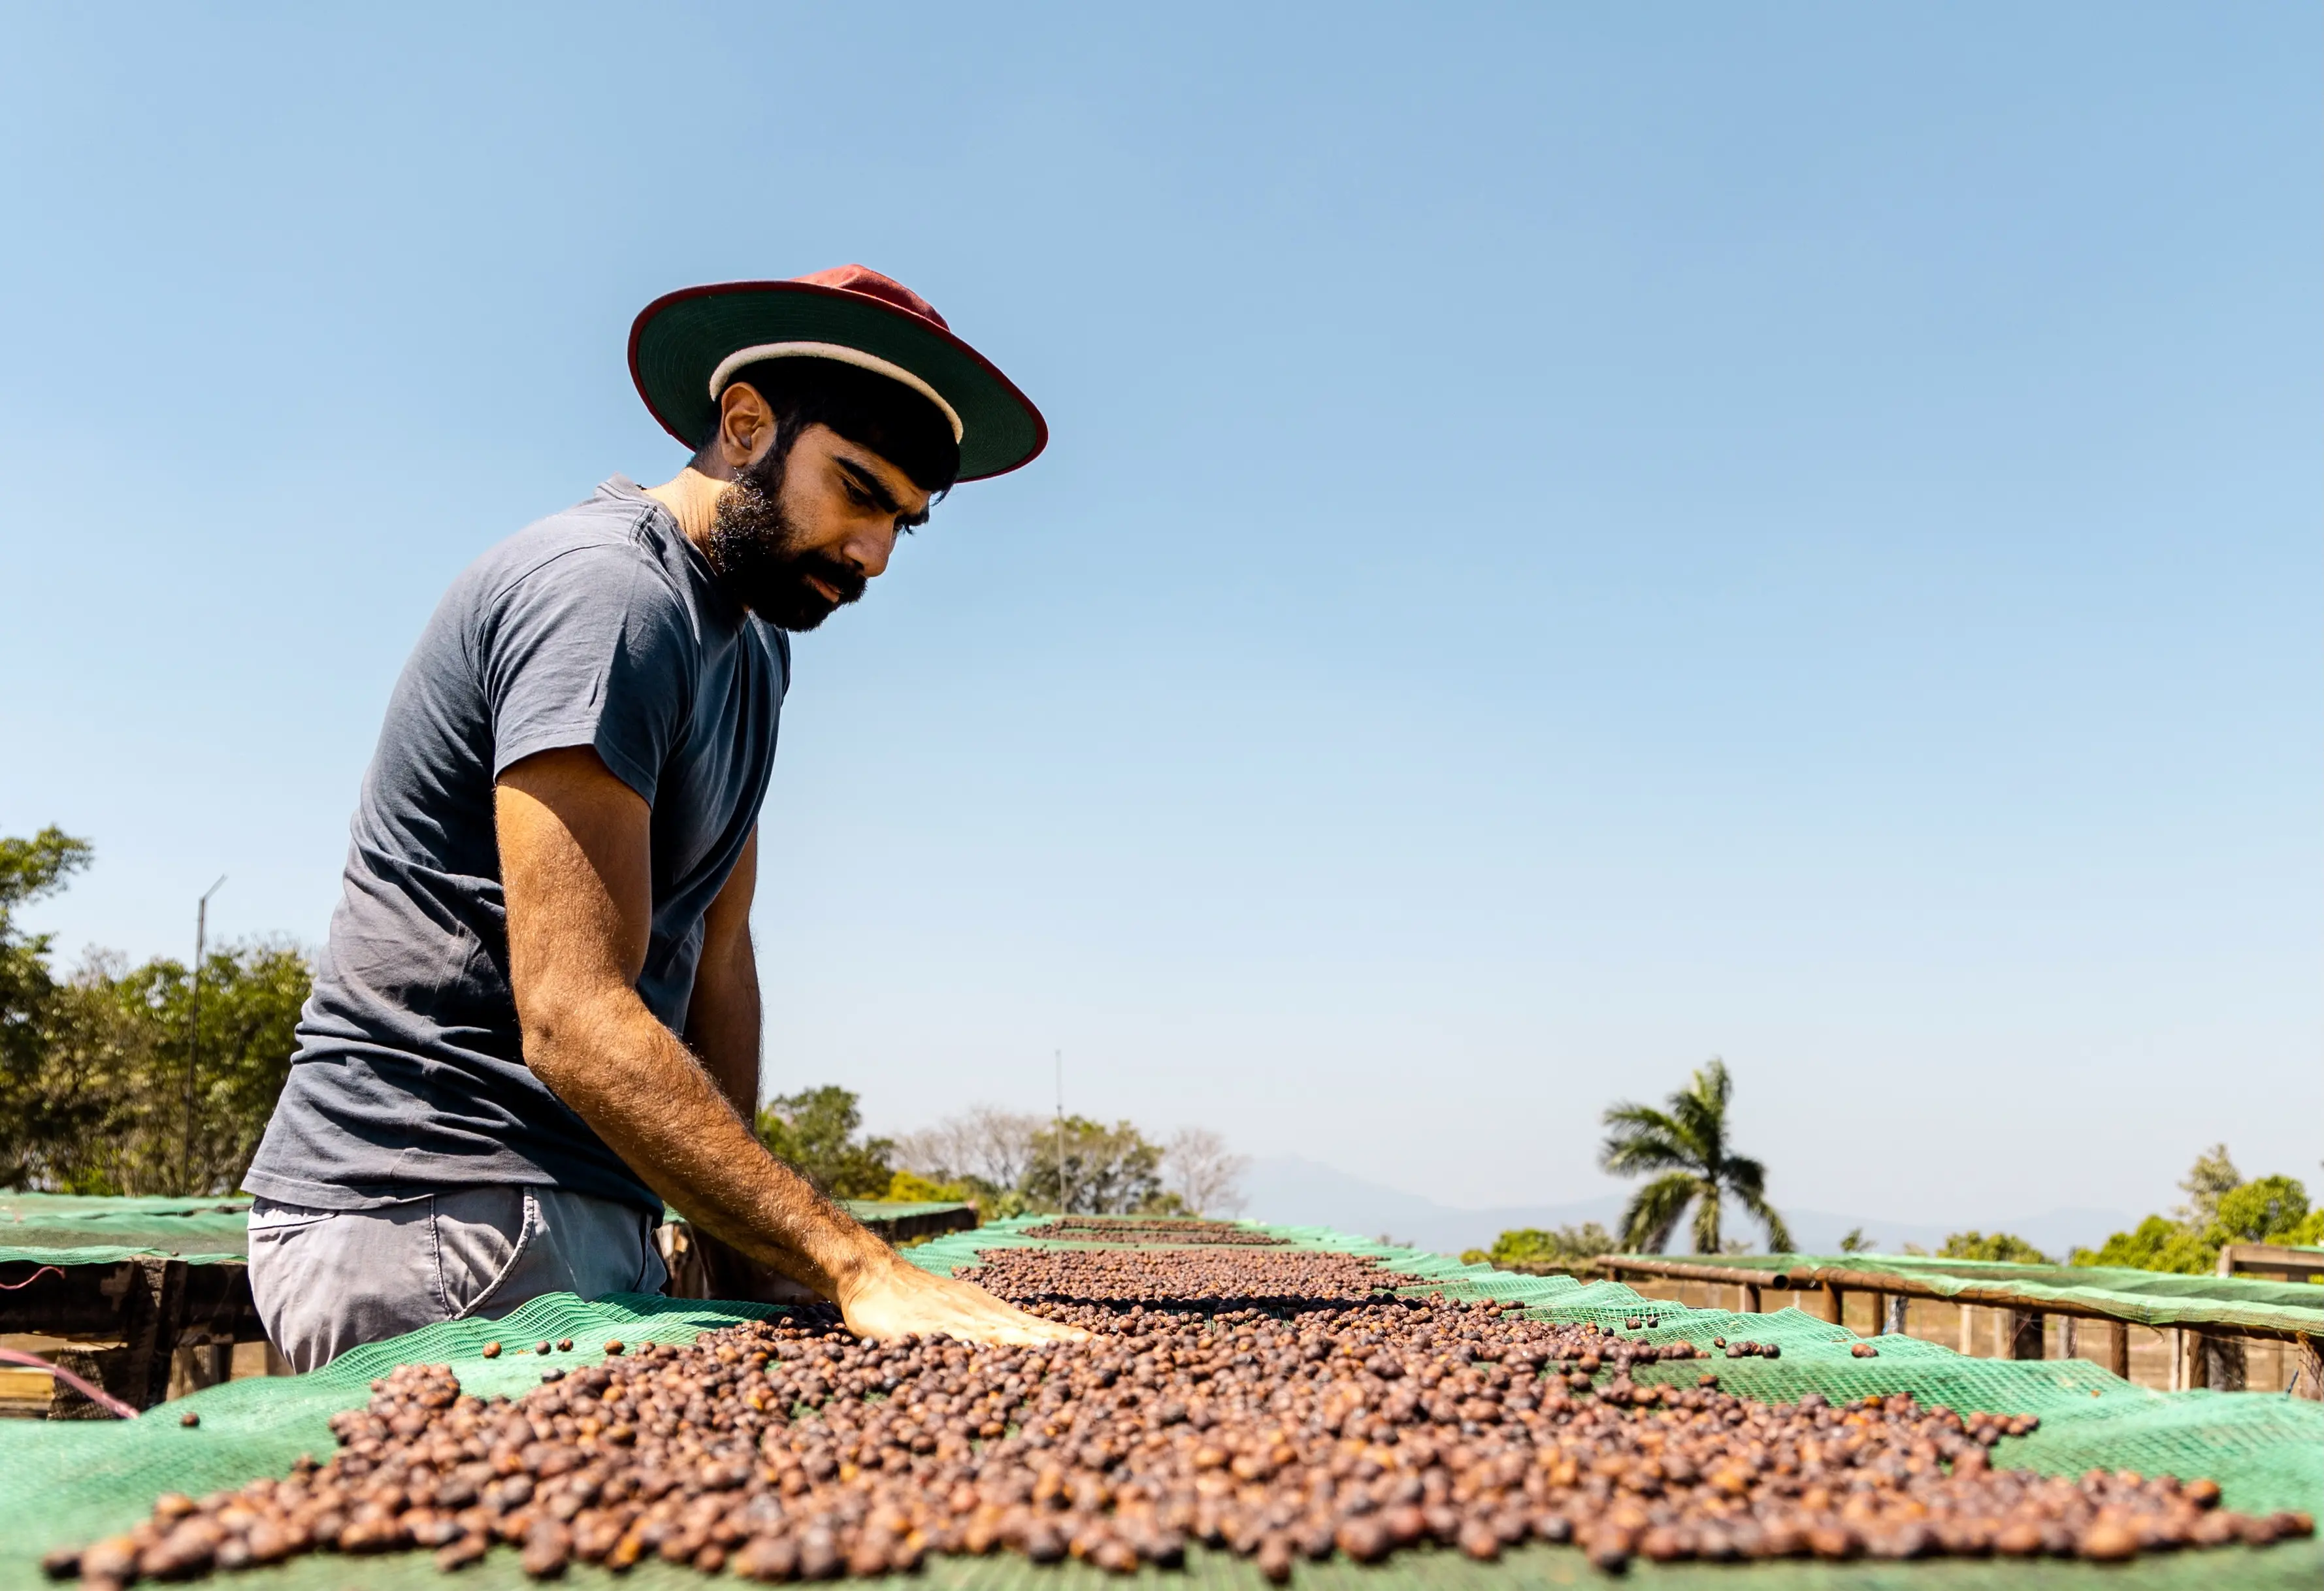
[(480, 1237)]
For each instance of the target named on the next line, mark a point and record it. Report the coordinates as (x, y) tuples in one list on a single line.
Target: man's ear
[(746, 427)]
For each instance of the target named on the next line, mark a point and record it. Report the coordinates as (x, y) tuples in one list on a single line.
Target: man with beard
[(537, 1014)]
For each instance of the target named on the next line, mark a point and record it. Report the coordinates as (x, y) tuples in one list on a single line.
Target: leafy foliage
[(1013, 1164), (1686, 1141), (1090, 1169), (1856, 1242), (2002, 1245), (2157, 1244), (2212, 1176), (2221, 1208), (94, 1086), (911, 1188), (819, 1133), (1533, 1245), (2267, 1209)]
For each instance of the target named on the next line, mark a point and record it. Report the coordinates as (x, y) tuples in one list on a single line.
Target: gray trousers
[(326, 1281)]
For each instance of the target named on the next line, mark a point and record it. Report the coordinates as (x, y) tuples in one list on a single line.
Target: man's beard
[(755, 551)]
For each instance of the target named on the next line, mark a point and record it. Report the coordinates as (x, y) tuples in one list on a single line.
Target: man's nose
[(869, 552)]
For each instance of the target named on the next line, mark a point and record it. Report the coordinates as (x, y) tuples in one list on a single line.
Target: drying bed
[(60, 1483)]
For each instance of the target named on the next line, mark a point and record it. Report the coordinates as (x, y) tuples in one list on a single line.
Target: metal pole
[(194, 1031)]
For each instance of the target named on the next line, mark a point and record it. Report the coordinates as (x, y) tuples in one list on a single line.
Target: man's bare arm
[(575, 846)]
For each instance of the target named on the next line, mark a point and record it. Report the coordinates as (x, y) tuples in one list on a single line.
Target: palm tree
[(1687, 1142)]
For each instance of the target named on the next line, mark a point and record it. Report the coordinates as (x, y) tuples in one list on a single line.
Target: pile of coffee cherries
[(1131, 1229), (1188, 1277), (1347, 1423)]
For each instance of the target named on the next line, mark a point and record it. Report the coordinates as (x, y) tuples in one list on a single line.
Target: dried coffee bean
[(548, 1549), (190, 1419), (463, 1552), (490, 1350)]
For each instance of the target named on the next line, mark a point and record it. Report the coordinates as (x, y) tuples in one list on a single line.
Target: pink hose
[(96, 1395)]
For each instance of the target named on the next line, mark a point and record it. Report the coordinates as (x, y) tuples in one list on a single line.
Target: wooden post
[(2070, 1338), (1835, 1309), (1898, 1318), (2025, 1334), (198, 1365), (153, 1294), (156, 1344), (2118, 1350), (2178, 1341), (1750, 1298), (1879, 1314), (1967, 1330)]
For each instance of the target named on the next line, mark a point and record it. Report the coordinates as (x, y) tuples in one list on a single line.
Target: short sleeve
[(590, 647)]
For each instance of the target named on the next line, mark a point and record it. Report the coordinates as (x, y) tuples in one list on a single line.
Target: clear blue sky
[(1577, 539)]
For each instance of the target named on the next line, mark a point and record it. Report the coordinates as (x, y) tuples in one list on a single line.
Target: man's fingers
[(914, 1301)]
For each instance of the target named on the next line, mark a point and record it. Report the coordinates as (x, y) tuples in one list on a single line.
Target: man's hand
[(902, 1297), (575, 853)]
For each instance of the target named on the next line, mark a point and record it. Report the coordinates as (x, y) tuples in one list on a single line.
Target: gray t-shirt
[(599, 627)]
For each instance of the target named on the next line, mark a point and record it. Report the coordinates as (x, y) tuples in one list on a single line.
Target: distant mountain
[(1296, 1192), (1292, 1191)]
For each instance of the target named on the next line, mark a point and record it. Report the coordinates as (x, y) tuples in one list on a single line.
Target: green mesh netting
[(2151, 1297), (68, 1229), (72, 1482), (74, 1229)]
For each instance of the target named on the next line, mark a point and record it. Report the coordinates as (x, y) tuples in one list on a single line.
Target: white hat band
[(847, 355)]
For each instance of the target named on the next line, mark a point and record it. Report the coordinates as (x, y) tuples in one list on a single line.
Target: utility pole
[(194, 1028), (1064, 1205)]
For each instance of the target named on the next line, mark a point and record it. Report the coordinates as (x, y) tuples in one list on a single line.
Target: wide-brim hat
[(687, 345)]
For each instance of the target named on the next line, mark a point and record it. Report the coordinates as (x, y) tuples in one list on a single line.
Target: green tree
[(117, 1047), (818, 1132), (1686, 1141), (2267, 1209), (2156, 1243), (34, 1110), (2002, 1245), (2221, 1208), (93, 1066), (1093, 1169), (250, 998), (1533, 1245), (1856, 1242), (2208, 1180), (911, 1188)]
